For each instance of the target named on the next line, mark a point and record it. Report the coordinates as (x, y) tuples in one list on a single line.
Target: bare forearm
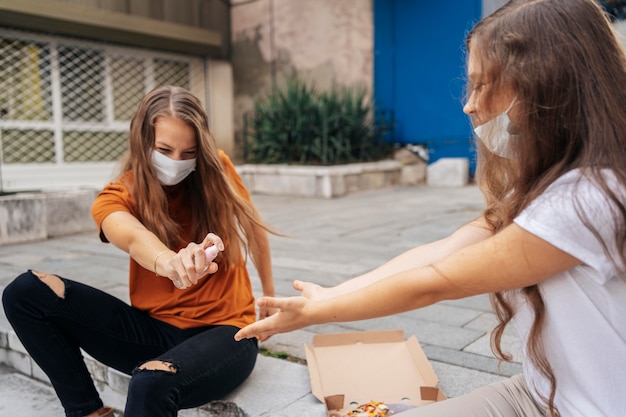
[(417, 257), (263, 263), (128, 234), (512, 259), (395, 294)]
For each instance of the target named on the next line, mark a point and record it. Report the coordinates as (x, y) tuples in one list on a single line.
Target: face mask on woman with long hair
[(171, 171), (495, 134)]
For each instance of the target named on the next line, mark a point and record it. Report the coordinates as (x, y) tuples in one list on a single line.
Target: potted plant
[(320, 138)]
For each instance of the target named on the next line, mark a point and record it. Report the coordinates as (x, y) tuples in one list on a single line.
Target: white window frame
[(64, 175)]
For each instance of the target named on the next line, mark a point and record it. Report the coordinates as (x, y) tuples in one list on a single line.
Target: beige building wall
[(220, 106), (327, 42)]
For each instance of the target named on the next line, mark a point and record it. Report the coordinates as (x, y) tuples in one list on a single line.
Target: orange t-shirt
[(222, 298)]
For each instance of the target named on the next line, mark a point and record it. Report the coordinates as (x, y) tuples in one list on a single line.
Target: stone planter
[(26, 217), (325, 181)]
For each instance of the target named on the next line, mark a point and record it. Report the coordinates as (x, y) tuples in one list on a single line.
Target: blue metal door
[(419, 72)]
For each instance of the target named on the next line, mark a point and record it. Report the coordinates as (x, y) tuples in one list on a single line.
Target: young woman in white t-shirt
[(547, 90)]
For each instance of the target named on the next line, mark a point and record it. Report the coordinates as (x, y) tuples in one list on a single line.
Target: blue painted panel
[(384, 54), (419, 71)]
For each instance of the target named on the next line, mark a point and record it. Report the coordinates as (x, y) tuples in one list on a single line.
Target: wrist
[(156, 261), (321, 312), (269, 291)]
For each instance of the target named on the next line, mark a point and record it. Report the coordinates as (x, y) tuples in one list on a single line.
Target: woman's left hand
[(265, 312), (291, 315)]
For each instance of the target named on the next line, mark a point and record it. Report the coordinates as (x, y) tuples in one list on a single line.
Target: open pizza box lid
[(350, 369)]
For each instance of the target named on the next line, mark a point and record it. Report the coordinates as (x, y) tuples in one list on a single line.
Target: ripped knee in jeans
[(157, 365), (54, 282)]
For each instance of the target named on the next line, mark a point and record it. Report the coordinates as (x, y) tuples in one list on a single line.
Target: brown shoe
[(106, 412)]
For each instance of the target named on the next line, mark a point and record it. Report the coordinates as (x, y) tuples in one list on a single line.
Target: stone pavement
[(328, 241)]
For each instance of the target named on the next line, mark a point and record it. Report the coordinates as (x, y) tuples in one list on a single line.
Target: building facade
[(409, 54), (73, 72)]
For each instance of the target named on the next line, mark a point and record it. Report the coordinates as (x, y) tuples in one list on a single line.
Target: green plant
[(280, 355), (299, 125)]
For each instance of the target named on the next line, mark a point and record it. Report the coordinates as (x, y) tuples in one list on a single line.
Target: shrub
[(299, 125)]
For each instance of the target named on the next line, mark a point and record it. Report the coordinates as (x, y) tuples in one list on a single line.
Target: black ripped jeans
[(206, 362)]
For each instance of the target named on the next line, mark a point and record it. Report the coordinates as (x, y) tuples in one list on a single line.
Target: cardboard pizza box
[(350, 369)]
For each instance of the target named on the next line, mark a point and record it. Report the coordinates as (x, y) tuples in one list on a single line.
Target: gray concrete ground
[(327, 241)]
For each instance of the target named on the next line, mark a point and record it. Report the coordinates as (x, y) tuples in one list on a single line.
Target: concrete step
[(276, 387)]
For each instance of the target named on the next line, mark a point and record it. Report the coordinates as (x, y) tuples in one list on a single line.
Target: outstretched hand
[(293, 313), (265, 312)]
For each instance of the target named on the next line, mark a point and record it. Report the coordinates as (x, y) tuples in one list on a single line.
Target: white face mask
[(495, 134), (170, 171)]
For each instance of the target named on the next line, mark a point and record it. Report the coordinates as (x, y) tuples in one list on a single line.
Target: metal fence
[(66, 105)]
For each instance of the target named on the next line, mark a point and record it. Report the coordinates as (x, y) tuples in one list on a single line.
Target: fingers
[(304, 286), (184, 265), (260, 329), (265, 312), (212, 245), (190, 264), (291, 315), (214, 239), (270, 303), (309, 289), (263, 338), (198, 264), (251, 331)]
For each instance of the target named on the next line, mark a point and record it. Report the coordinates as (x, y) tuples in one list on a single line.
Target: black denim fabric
[(206, 363)]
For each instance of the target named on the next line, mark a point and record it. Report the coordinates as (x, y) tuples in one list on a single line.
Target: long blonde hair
[(568, 69), (214, 203)]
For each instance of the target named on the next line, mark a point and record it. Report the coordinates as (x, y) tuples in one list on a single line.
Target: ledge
[(255, 396), (26, 217), (111, 384), (326, 181)]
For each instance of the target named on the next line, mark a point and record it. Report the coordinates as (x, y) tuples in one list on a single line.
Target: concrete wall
[(328, 42), (26, 217), (220, 104)]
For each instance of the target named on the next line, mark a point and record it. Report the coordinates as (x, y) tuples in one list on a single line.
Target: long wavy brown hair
[(568, 70), (215, 204)]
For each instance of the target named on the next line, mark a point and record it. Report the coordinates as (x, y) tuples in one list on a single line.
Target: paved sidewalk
[(328, 241)]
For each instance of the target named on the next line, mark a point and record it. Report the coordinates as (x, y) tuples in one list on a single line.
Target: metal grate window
[(33, 145), (25, 81), (65, 101)]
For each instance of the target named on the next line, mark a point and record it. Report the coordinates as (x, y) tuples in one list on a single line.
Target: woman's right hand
[(190, 264)]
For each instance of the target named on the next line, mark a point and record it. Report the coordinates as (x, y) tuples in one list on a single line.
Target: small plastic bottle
[(211, 253)]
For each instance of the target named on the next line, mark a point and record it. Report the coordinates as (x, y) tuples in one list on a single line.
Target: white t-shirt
[(585, 334)]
